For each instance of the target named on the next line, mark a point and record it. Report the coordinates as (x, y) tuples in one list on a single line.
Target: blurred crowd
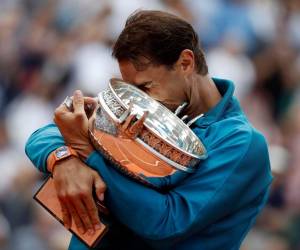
[(50, 48)]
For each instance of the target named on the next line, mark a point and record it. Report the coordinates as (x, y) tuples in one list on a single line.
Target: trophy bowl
[(164, 146)]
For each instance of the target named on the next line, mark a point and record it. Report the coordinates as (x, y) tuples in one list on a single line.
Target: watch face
[(61, 152)]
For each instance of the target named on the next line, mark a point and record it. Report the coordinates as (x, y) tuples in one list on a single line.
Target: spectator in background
[(37, 44)]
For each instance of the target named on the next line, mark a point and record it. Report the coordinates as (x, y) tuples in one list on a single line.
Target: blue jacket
[(211, 209)]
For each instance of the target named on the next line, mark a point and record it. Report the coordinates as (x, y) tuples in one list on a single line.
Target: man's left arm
[(235, 180)]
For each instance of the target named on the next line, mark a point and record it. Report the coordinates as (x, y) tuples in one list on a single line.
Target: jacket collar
[(226, 89)]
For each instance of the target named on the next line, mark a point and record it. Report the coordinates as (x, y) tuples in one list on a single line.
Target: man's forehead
[(127, 68), (129, 72)]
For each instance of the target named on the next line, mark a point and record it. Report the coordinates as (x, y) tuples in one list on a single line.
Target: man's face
[(162, 84)]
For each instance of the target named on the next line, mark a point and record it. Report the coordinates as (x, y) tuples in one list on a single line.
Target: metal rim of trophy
[(113, 82)]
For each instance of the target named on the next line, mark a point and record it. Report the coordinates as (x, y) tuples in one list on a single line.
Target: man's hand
[(74, 183), (132, 126), (73, 125)]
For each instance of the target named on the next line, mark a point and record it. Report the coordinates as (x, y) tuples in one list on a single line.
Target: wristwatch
[(58, 155)]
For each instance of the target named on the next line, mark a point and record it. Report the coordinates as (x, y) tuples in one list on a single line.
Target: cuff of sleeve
[(49, 151), (92, 156)]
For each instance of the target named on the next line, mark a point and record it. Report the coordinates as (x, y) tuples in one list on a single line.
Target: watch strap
[(59, 154)]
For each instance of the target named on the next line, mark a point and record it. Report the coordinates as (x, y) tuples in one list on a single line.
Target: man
[(213, 208)]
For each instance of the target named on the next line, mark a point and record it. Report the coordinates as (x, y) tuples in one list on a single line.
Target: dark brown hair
[(159, 37)]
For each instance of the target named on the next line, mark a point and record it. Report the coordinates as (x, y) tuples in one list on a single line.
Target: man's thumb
[(78, 102), (100, 187)]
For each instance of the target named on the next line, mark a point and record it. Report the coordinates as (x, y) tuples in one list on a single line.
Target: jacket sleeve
[(229, 180), (41, 143), (234, 174)]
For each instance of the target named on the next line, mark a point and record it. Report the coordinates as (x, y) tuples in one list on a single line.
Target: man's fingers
[(125, 115), (92, 211), (83, 214), (136, 128), (128, 121), (61, 110), (143, 118), (90, 100), (78, 102), (67, 219), (75, 217)]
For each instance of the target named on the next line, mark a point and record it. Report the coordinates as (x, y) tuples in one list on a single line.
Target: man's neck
[(202, 95)]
